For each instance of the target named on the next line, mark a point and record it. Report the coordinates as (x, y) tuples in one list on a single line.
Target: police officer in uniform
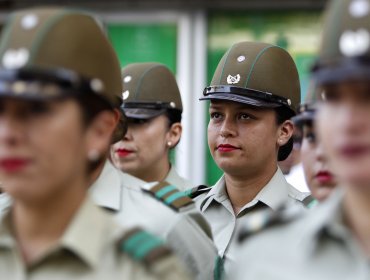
[(320, 178), (333, 240), (59, 85), (152, 102), (252, 96)]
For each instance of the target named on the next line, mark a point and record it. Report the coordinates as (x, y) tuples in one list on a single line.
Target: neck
[(156, 173), (39, 225), (357, 209), (242, 190)]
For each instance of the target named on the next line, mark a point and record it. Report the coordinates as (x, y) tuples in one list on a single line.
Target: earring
[(93, 155), (169, 144)]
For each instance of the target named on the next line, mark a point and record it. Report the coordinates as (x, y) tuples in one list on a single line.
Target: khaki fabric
[(186, 232), (217, 209), (89, 249), (317, 246), (175, 179)]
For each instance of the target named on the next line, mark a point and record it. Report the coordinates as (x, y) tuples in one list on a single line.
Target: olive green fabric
[(148, 90), (51, 39), (260, 67), (345, 48)]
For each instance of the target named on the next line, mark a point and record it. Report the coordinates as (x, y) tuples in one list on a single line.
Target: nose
[(10, 131), (320, 153), (128, 135), (228, 128)]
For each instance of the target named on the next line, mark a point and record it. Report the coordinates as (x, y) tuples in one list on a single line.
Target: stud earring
[(93, 155), (169, 144)]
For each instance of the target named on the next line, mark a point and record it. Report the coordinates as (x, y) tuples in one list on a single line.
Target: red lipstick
[(13, 164), (226, 148), (123, 152), (324, 177)]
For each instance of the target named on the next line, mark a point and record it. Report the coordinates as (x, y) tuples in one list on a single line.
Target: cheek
[(211, 136)]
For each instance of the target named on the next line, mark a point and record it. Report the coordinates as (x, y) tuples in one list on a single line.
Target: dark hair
[(174, 116), (282, 114), (91, 106)]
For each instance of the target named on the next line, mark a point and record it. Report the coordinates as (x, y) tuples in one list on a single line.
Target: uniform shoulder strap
[(267, 218), (143, 247), (169, 195), (194, 192), (309, 201)]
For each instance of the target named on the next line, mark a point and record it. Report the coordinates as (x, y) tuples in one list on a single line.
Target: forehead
[(350, 86)]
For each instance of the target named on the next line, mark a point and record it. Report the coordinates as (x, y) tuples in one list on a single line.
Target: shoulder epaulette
[(170, 195), (309, 201), (142, 246), (267, 218), (194, 192)]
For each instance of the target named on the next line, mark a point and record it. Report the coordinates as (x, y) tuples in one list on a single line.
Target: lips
[(123, 152), (226, 148), (13, 164), (324, 177)]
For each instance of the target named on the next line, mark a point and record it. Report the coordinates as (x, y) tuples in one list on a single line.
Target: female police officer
[(332, 241), (59, 81), (253, 94)]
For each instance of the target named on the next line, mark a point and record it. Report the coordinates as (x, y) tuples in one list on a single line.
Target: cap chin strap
[(148, 105), (246, 92)]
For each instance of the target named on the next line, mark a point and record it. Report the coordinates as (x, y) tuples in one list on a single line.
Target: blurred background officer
[(60, 80), (333, 240), (319, 177), (160, 208), (253, 93), (152, 103)]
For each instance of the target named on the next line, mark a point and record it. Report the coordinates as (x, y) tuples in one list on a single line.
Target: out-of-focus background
[(190, 37)]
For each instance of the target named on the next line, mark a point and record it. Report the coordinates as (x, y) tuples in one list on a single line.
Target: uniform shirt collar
[(326, 220), (89, 232), (106, 190), (273, 194), (85, 236)]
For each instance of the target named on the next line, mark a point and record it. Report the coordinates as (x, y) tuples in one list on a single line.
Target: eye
[(38, 108), (215, 115), (244, 116), (311, 137)]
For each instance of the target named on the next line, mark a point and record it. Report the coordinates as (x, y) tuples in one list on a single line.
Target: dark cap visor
[(244, 95), (240, 99), (304, 118), (140, 113), (343, 70)]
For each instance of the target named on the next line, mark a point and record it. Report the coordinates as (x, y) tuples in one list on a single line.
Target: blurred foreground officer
[(154, 113), (59, 82), (152, 103), (252, 93), (332, 241), (320, 178)]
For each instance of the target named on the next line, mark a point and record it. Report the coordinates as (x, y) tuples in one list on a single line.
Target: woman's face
[(319, 177), (344, 129), (42, 147), (244, 140), (145, 147)]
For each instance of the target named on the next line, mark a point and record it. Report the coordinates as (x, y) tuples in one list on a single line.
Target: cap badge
[(13, 59), (233, 79), (127, 79), (359, 8), (125, 94), (354, 43), (29, 21), (241, 58)]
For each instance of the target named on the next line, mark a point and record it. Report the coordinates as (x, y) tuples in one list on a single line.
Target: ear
[(174, 135), (99, 132), (285, 132)]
